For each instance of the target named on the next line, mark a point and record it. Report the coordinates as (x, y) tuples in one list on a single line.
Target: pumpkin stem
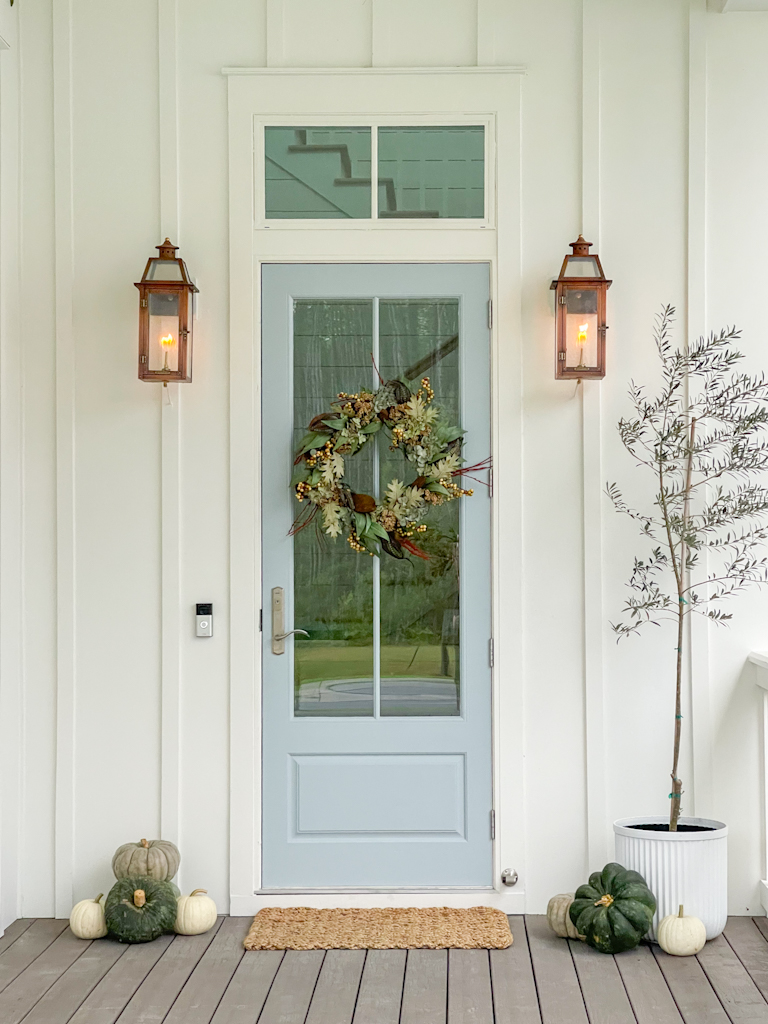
[(98, 897), (139, 898), (196, 891), (680, 913), (604, 901), (145, 844)]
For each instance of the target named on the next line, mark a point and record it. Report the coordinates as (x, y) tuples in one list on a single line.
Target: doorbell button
[(204, 620)]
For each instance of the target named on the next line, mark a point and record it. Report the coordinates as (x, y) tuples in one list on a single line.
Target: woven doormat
[(383, 928)]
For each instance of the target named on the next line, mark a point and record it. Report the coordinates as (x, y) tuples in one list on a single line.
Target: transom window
[(384, 173)]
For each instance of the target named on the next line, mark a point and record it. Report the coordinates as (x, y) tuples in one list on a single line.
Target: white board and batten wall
[(641, 124)]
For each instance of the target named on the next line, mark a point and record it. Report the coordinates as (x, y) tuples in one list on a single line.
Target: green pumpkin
[(614, 909), (139, 909)]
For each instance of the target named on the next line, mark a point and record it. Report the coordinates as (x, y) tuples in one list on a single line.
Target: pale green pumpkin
[(150, 858)]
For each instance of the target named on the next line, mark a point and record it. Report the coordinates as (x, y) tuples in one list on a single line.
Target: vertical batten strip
[(486, 32), (66, 620), (11, 491), (276, 34), (170, 412), (598, 834), (701, 803)]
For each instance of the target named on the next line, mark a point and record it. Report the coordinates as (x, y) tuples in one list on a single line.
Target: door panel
[(376, 728), (402, 795)]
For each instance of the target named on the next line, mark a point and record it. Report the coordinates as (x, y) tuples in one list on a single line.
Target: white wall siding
[(121, 103)]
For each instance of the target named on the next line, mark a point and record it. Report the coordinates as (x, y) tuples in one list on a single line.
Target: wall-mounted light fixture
[(580, 292), (165, 318)]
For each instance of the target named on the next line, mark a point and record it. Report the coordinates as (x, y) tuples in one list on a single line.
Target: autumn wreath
[(416, 428)]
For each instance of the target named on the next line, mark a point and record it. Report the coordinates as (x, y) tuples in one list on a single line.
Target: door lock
[(279, 634)]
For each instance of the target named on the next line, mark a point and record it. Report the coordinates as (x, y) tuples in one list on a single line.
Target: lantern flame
[(583, 328), (167, 341)]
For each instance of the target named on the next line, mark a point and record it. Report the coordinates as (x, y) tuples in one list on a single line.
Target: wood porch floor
[(47, 976)]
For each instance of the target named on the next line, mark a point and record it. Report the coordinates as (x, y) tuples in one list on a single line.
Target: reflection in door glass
[(432, 172), (333, 586), (420, 599), (317, 173)]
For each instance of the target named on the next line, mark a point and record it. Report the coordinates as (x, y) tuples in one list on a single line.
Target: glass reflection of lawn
[(336, 680), (419, 633)]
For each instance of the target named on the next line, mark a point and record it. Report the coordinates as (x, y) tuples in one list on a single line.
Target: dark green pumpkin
[(133, 917), (614, 910)]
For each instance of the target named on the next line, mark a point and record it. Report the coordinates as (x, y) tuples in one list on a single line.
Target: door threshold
[(386, 890), (510, 901)]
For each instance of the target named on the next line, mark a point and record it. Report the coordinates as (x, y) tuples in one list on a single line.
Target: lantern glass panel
[(164, 270), (581, 334), (582, 266), (163, 331)]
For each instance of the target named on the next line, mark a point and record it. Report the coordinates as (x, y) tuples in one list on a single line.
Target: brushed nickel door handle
[(282, 636), (279, 633)]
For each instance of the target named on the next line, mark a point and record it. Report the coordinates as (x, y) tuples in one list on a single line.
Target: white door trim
[(256, 94)]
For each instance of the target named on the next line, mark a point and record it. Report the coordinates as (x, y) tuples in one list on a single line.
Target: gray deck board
[(66, 995), (737, 992), (207, 983), (335, 995), (113, 993), (157, 993), (381, 987), (28, 948), (469, 987), (425, 991), (557, 984), (601, 985), (18, 998), (695, 997), (647, 988), (50, 977), (13, 931), (512, 981), (248, 990), (749, 945), (291, 993)]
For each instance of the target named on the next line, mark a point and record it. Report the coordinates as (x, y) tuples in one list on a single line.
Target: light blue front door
[(377, 727)]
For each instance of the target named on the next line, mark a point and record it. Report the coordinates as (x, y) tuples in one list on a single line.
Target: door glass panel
[(317, 173), (432, 172), (420, 662), (333, 586)]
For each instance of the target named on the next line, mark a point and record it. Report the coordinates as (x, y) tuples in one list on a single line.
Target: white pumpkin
[(195, 913), (681, 935), (87, 919), (558, 917)]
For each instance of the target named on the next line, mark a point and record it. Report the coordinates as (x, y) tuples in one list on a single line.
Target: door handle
[(279, 633)]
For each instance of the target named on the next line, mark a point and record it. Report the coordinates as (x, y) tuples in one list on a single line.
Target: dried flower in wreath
[(415, 428)]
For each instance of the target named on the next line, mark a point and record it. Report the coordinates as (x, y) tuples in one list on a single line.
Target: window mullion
[(376, 561)]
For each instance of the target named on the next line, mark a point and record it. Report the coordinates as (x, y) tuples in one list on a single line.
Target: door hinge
[(493, 824), (490, 314), (261, 619), (490, 652), (490, 482)]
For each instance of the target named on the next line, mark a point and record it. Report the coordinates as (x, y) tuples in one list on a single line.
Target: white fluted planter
[(680, 867)]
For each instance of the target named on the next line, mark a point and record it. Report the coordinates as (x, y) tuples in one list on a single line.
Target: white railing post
[(760, 661)]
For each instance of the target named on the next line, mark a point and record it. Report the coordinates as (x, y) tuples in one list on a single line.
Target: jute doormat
[(384, 928)]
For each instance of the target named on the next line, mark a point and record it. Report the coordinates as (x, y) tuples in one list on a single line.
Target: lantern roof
[(581, 266), (167, 270)]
